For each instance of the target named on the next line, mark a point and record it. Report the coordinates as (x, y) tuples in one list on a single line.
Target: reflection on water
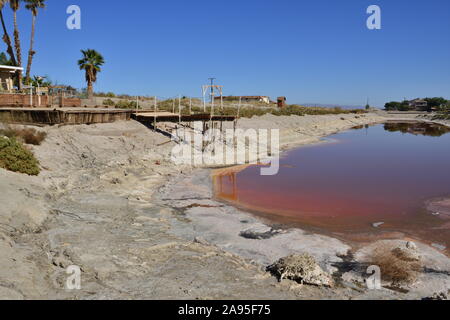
[(373, 174), (417, 128)]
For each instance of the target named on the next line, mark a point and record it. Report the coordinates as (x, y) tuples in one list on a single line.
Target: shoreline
[(261, 226), (358, 240), (94, 206)]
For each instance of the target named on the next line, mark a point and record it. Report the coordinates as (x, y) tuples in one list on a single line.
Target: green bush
[(15, 157), (124, 104), (105, 95), (109, 102)]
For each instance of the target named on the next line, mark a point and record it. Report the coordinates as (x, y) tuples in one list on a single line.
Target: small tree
[(91, 63)]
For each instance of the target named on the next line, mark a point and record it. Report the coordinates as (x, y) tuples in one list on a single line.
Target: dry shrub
[(395, 268), (27, 135), (15, 157)]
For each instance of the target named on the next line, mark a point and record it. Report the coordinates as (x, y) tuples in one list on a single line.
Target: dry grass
[(395, 268), (252, 111), (27, 135)]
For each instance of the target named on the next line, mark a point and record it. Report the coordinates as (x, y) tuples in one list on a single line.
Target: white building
[(7, 77)]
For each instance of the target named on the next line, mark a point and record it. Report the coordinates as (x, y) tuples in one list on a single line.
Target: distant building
[(262, 99), (281, 102), (418, 104), (7, 77)]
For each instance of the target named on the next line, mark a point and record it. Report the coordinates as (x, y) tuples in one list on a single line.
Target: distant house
[(7, 77), (262, 99), (281, 102), (418, 104)]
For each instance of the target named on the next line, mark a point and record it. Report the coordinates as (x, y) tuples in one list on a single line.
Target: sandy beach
[(110, 200)]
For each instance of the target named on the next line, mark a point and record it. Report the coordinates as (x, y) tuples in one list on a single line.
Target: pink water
[(383, 173)]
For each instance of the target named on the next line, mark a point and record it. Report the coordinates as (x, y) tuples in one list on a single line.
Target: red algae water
[(373, 181)]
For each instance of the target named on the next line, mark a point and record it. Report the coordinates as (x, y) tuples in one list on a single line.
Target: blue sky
[(310, 51)]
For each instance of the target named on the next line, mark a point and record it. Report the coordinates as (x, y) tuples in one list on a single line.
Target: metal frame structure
[(214, 88)]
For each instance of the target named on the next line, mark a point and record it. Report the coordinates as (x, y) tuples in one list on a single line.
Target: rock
[(202, 241), (115, 181), (301, 268), (377, 224), (259, 234), (438, 296), (411, 245)]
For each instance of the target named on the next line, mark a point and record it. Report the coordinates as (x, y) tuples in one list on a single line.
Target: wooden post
[(154, 119), (238, 113), (239, 107), (204, 98), (137, 104), (212, 105), (179, 110), (190, 111)]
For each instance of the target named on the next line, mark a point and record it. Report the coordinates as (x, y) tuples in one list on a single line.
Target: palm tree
[(91, 63), (40, 81), (6, 37), (33, 6), (15, 6)]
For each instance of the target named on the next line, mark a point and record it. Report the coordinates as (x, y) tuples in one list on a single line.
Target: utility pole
[(212, 88)]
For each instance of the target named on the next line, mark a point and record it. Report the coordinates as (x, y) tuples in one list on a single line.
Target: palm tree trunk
[(31, 52), (90, 90), (7, 40), (18, 50)]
